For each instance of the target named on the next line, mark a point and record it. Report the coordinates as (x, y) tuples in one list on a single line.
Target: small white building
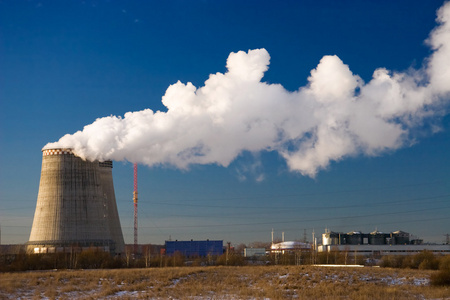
[(289, 246), (251, 252)]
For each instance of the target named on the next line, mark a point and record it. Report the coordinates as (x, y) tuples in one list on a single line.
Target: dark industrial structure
[(373, 238), (377, 244)]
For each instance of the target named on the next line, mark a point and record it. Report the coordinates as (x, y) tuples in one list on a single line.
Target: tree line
[(149, 258)]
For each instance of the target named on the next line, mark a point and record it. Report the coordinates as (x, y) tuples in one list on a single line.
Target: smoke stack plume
[(336, 115)]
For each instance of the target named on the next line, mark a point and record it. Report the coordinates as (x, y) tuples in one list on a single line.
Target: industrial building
[(289, 246), (254, 252), (76, 206), (373, 238), (377, 243), (195, 248)]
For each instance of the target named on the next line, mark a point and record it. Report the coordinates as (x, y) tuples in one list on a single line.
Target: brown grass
[(268, 282)]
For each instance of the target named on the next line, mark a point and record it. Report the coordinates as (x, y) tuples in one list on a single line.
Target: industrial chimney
[(76, 206)]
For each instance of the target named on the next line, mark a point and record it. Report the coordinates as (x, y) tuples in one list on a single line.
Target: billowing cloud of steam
[(336, 115)]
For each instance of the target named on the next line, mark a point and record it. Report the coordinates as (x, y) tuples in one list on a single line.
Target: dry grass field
[(257, 282)]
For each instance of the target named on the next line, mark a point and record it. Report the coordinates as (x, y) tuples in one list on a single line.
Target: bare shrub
[(230, 259), (392, 261), (424, 260), (441, 278), (444, 263)]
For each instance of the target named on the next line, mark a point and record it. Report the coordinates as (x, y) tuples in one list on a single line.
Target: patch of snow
[(421, 281)]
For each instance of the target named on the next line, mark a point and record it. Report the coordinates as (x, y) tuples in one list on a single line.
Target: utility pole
[(228, 250), (314, 247)]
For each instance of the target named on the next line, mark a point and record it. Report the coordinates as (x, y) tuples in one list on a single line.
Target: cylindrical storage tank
[(377, 238), (76, 205), (354, 238), (331, 238), (401, 240), (400, 237)]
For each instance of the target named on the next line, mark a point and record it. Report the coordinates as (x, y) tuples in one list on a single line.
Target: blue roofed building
[(195, 248)]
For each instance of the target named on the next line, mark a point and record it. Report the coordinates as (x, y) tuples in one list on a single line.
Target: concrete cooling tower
[(76, 206)]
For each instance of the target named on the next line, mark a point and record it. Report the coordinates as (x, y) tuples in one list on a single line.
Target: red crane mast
[(135, 201)]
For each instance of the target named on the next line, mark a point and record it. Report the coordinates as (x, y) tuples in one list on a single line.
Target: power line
[(303, 220), (374, 204)]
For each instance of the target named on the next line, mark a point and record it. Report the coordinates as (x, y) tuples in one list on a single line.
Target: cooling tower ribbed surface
[(76, 206)]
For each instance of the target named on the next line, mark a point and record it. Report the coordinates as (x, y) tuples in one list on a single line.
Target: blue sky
[(63, 64)]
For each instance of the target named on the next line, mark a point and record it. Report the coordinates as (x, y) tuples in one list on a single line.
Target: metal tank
[(76, 206), (400, 237), (377, 238), (354, 238)]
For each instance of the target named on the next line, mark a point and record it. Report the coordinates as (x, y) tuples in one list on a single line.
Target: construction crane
[(135, 201)]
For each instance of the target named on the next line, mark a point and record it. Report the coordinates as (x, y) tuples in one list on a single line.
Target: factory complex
[(76, 210), (377, 243)]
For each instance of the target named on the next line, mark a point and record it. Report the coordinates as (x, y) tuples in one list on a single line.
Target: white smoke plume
[(335, 116)]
